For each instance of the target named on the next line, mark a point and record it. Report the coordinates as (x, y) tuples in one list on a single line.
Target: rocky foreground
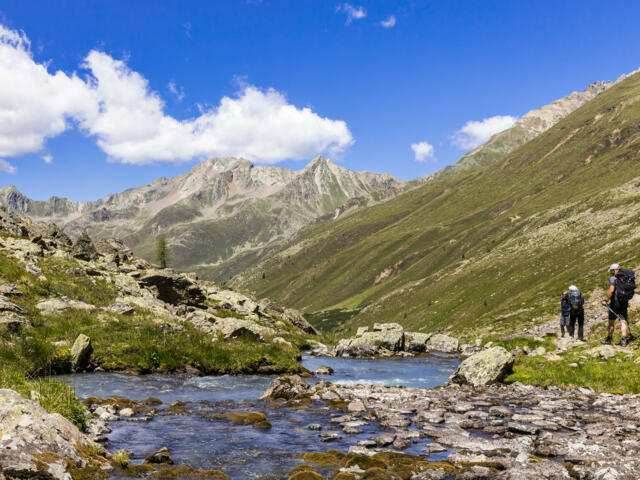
[(504, 432)]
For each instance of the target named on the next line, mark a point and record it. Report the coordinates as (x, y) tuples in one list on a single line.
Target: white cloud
[(475, 133), (177, 91), (7, 167), (389, 22), (34, 104), (353, 13), (423, 151), (48, 158), (116, 105)]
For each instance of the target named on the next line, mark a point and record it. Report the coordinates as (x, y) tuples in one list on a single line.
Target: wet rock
[(161, 456), (442, 343), (286, 388), (484, 368), (81, 353), (324, 371), (329, 436)]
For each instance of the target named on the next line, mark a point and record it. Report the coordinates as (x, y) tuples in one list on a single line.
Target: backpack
[(625, 284), (575, 300)]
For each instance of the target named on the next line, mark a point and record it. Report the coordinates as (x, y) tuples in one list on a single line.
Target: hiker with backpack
[(622, 285), (565, 310), (576, 312)]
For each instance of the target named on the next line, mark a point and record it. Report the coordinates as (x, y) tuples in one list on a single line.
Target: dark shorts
[(564, 321), (620, 308)]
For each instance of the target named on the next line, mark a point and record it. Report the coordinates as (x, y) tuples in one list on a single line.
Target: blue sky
[(342, 82)]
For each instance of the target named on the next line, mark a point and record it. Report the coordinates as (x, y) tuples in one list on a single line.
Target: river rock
[(81, 352), (286, 388), (28, 431), (484, 368), (323, 370), (161, 456), (369, 343), (416, 342), (442, 343)]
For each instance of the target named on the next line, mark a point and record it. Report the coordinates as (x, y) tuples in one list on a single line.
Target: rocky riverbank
[(498, 431), (389, 339)]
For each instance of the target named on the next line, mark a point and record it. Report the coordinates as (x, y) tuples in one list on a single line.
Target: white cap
[(573, 288), (614, 266)]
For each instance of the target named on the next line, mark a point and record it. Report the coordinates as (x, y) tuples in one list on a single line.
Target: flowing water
[(239, 450)]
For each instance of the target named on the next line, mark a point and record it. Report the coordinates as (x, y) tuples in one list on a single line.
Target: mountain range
[(221, 216), (482, 249)]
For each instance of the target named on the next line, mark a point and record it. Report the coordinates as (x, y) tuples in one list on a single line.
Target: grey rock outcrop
[(56, 306), (484, 368), (442, 343), (286, 388), (173, 288), (29, 431), (81, 353), (84, 249)]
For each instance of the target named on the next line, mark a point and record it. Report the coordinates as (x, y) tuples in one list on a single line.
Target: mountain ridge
[(217, 197)]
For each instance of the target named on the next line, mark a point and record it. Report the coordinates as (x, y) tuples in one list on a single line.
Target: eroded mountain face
[(219, 217)]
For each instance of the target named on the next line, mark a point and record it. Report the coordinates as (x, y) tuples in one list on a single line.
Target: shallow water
[(239, 450)]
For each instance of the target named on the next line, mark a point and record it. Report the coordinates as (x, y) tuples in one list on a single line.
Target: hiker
[(564, 312), (576, 312), (622, 284)]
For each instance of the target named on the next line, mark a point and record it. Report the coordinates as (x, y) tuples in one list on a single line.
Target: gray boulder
[(416, 342), (84, 249), (11, 322), (56, 306), (483, 368), (173, 288), (286, 388), (28, 432), (442, 343), (81, 352)]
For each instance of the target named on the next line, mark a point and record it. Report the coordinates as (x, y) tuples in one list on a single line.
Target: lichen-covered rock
[(371, 342), (286, 388), (115, 248), (173, 288), (484, 368), (442, 343), (81, 352), (416, 342), (56, 306), (28, 432), (84, 249), (161, 456), (11, 322), (270, 308), (121, 308)]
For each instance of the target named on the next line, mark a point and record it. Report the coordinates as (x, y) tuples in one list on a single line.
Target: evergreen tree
[(162, 251)]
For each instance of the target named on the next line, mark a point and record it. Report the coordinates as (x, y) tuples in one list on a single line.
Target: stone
[(126, 412), (383, 327), (416, 342), (603, 351), (161, 456), (114, 248), (329, 436), (483, 368), (8, 289), (28, 431), (356, 406), (13, 323), (286, 388), (283, 342), (121, 308), (323, 370), (7, 306), (372, 343), (81, 353), (266, 306), (173, 288), (84, 249), (56, 306), (442, 343)]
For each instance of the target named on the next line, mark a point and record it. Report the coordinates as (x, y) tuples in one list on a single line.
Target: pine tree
[(162, 251)]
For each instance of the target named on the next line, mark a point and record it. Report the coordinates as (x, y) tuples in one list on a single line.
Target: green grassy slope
[(485, 250)]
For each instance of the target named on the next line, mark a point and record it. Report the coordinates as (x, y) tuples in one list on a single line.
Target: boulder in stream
[(483, 368)]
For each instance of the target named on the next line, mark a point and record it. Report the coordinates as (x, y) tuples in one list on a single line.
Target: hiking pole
[(631, 336)]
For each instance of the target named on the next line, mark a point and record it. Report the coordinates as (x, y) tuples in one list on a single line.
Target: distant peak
[(318, 161)]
